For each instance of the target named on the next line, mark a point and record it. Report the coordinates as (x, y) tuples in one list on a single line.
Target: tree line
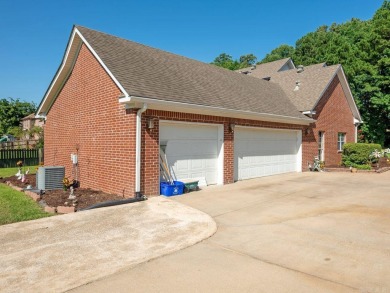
[(363, 49)]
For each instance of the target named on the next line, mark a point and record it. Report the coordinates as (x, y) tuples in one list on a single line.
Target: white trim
[(347, 91), (76, 39), (212, 111), (321, 146), (138, 143), (67, 75), (220, 143), (326, 87), (350, 96), (299, 152), (102, 63), (58, 73), (356, 132)]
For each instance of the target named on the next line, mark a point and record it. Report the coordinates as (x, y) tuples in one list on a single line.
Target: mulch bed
[(382, 166), (85, 197)]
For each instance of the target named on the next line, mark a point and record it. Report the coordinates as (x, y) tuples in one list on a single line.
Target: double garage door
[(196, 151), (264, 152)]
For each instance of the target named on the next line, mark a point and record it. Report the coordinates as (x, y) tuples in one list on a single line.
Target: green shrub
[(361, 167), (358, 153)]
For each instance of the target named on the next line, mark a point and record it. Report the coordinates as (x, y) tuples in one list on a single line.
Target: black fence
[(29, 157)]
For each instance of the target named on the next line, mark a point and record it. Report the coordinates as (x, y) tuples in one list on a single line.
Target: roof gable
[(306, 88), (144, 72), (264, 70)]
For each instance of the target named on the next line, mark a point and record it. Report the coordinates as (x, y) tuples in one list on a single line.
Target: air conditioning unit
[(50, 177)]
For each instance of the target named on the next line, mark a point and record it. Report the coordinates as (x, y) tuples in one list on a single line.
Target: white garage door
[(263, 152), (192, 150)]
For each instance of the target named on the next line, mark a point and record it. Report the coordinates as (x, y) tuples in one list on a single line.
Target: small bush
[(358, 153), (361, 167)]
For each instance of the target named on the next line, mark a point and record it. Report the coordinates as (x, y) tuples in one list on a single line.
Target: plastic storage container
[(169, 189)]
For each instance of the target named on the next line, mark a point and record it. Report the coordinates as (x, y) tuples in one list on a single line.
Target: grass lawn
[(17, 207), (6, 172)]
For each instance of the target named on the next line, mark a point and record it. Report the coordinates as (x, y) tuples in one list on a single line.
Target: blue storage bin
[(169, 189)]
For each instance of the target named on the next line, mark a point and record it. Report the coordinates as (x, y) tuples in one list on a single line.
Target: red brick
[(33, 195), (87, 114), (51, 210), (65, 210)]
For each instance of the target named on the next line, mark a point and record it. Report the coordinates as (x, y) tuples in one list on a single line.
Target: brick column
[(150, 157)]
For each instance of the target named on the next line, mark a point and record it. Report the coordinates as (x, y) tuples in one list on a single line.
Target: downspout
[(356, 123), (138, 151)]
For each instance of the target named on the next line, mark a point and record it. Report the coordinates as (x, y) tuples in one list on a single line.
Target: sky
[(34, 34)]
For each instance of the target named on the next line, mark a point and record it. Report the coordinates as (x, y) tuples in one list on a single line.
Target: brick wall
[(87, 119), (333, 115), (150, 147), (87, 116)]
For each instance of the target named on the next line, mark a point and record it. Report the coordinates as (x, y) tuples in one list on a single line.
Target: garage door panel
[(260, 152), (203, 147), (177, 131), (192, 150)]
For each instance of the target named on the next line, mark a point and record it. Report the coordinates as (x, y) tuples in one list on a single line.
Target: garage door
[(192, 150), (263, 152)]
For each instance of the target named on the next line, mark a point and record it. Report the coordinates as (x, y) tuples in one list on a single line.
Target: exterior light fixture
[(151, 123), (232, 126)]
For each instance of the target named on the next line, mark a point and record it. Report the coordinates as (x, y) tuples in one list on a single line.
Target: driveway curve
[(63, 252)]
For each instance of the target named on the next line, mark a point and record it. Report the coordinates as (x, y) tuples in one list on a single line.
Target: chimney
[(300, 68)]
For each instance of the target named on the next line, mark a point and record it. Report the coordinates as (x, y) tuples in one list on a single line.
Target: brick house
[(29, 122), (322, 93), (117, 104)]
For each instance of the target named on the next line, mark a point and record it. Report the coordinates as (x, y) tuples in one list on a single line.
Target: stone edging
[(36, 197), (381, 170)]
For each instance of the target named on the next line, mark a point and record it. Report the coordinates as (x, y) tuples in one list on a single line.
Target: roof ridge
[(153, 48)]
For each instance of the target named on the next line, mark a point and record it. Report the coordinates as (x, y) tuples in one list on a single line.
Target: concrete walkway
[(59, 253), (310, 232)]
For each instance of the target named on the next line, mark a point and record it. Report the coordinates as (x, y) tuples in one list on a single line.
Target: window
[(340, 141), (321, 143)]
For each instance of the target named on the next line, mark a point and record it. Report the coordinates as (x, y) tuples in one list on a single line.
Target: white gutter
[(138, 151), (309, 113), (134, 101)]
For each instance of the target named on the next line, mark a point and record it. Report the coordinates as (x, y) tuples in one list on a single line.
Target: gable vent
[(50, 177)]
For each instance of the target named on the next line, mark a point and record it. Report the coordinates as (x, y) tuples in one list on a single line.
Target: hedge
[(358, 153)]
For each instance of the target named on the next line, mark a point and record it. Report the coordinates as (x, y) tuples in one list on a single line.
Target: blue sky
[(34, 34)]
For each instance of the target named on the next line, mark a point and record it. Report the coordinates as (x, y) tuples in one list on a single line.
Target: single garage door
[(264, 152), (193, 150)]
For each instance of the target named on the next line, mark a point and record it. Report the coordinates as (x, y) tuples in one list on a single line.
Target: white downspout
[(356, 123), (138, 151)]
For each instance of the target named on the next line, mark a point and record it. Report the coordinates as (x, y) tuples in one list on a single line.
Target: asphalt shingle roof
[(266, 69), (152, 73), (313, 81)]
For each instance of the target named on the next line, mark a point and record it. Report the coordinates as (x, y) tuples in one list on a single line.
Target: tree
[(11, 111), (281, 52), (16, 131), (37, 132), (363, 48), (247, 60), (226, 61)]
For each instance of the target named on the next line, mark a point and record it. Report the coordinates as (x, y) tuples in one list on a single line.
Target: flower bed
[(57, 200)]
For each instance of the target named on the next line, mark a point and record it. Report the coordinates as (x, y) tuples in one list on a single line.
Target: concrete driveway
[(310, 232), (59, 253)]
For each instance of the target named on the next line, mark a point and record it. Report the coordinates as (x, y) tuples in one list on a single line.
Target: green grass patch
[(7, 172), (16, 207)]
